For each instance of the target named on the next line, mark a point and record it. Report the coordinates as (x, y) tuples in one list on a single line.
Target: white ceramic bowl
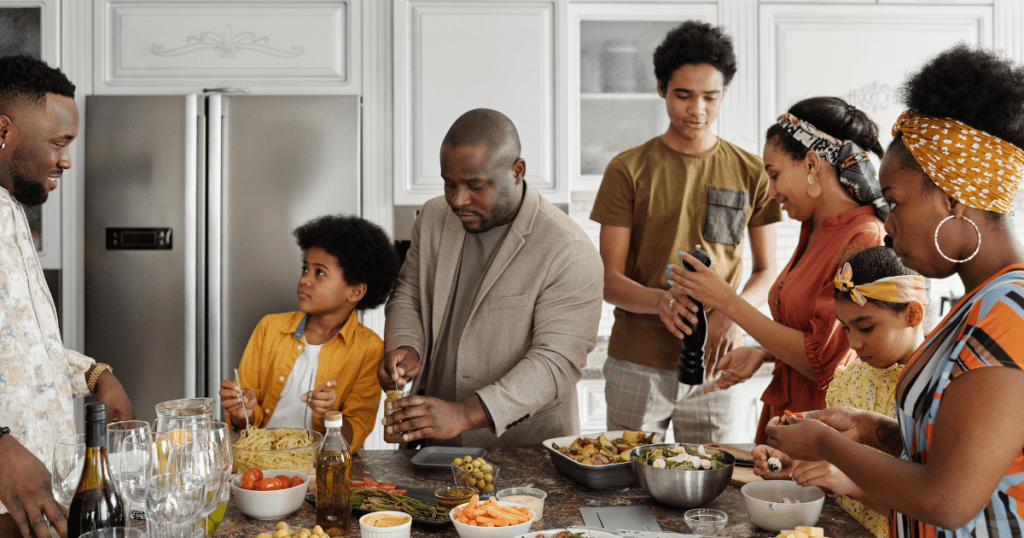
[(767, 509), (398, 531), (270, 504), (587, 533), (472, 531)]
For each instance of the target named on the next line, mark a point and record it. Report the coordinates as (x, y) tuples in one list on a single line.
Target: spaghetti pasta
[(281, 448)]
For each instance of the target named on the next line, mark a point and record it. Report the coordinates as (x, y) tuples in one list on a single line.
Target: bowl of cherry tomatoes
[(270, 494)]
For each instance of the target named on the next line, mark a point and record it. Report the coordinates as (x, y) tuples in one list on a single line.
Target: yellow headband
[(894, 289), (974, 167)]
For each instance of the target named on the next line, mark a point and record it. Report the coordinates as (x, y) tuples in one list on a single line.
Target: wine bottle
[(334, 480), (96, 503)]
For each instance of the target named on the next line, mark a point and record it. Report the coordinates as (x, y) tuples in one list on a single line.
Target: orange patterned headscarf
[(894, 289), (976, 168)]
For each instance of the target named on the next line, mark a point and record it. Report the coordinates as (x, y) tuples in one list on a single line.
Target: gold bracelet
[(95, 375)]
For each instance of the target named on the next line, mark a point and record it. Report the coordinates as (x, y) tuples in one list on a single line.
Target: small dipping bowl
[(368, 529), (531, 497), (452, 496), (705, 521)]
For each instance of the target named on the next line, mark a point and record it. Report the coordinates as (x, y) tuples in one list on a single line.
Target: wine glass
[(117, 432), (218, 435), (201, 458), (68, 460), (141, 457), (174, 501)]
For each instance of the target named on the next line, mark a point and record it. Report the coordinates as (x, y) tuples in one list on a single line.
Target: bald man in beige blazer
[(496, 306)]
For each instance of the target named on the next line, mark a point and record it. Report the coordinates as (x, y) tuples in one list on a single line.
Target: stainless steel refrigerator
[(190, 206)]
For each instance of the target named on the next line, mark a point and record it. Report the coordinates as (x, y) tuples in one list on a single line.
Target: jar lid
[(333, 419)]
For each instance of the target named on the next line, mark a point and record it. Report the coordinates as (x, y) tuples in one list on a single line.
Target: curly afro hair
[(364, 251), (833, 116), (28, 80), (694, 42), (872, 264)]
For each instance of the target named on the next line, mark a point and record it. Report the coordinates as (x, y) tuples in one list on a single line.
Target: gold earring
[(813, 188)]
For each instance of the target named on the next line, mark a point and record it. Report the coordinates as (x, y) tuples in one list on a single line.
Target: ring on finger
[(671, 302)]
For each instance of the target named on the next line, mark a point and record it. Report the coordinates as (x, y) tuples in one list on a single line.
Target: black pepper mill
[(691, 356)]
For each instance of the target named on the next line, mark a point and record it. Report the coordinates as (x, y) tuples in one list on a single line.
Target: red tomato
[(255, 474), (401, 491), (386, 486), (369, 482), (269, 484), (296, 481), (247, 483), (357, 483), (284, 477)]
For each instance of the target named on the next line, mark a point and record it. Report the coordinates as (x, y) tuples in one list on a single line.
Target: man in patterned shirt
[(39, 378)]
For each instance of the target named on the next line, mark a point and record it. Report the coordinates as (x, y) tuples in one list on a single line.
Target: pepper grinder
[(691, 356)]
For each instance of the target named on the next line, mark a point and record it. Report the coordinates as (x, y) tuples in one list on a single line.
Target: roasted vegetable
[(604, 451)]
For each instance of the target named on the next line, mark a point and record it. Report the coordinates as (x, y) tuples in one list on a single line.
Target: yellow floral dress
[(865, 387)]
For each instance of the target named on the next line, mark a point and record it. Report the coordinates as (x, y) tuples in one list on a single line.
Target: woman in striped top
[(950, 177)]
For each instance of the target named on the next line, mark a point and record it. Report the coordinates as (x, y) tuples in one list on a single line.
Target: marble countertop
[(532, 467)]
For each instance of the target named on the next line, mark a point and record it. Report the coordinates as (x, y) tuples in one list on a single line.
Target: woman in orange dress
[(821, 176)]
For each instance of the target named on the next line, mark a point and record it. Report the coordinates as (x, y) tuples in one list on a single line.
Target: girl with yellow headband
[(880, 305), (949, 177)]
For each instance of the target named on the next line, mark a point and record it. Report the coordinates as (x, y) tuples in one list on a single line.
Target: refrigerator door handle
[(192, 306), (215, 231)]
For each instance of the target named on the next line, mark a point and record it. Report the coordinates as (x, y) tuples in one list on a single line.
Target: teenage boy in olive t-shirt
[(684, 188)]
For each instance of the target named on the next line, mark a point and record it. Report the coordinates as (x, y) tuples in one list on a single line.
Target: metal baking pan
[(592, 476)]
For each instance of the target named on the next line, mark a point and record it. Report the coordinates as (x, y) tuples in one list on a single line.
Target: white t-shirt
[(290, 409)]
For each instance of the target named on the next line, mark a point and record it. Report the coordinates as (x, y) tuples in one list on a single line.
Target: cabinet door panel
[(456, 56)]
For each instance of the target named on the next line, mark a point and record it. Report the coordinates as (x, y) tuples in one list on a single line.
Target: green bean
[(377, 500)]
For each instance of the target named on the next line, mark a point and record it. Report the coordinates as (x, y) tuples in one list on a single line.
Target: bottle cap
[(95, 412), (333, 419)]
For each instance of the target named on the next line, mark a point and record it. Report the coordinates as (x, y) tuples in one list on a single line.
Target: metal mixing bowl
[(685, 489)]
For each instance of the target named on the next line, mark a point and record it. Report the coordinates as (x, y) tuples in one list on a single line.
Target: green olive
[(458, 461), (487, 467)]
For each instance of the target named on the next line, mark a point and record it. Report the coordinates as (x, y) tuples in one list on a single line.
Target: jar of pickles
[(391, 396)]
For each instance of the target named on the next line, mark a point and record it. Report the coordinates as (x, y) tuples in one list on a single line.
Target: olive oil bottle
[(334, 480), (96, 503)]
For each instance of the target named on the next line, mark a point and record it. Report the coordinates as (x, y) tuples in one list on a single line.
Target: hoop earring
[(976, 249), (813, 187)]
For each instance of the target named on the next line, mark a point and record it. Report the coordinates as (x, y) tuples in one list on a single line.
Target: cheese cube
[(812, 531)]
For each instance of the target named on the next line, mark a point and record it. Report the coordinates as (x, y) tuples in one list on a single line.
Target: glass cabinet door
[(614, 96)]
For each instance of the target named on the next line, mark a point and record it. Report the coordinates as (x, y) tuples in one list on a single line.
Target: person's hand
[(424, 417), (737, 366), (760, 455), (722, 337), (397, 367), (702, 284), (321, 400), (110, 392), (26, 492), (842, 419), (673, 308), (231, 401), (802, 438), (824, 475)]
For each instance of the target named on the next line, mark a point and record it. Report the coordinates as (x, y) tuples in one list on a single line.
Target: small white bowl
[(398, 531), (536, 503), (472, 531), (270, 504), (765, 505)]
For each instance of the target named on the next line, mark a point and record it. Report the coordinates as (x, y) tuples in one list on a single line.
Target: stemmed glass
[(141, 457), (201, 458), (218, 435), (174, 501), (68, 460), (117, 432)]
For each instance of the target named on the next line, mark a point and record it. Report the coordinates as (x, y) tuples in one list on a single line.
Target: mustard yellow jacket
[(350, 358)]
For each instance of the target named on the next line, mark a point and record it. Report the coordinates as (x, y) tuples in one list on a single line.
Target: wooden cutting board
[(740, 475)]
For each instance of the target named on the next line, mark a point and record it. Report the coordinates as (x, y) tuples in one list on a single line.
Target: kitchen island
[(532, 467)]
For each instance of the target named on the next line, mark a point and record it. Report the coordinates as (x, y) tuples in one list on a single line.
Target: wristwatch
[(95, 375), (4, 430)]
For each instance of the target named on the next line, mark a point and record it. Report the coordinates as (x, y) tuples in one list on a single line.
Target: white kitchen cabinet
[(177, 46), (32, 27), (613, 97), (454, 56)]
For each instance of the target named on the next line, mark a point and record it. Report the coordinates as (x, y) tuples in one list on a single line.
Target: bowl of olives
[(475, 473)]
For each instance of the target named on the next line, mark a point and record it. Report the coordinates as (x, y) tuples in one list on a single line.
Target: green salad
[(682, 458)]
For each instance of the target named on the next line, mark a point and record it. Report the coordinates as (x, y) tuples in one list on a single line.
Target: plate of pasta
[(275, 448)]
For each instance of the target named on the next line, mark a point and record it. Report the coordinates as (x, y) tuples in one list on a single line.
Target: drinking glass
[(218, 436), (174, 502), (202, 459), (68, 460), (115, 532), (141, 457), (117, 432)]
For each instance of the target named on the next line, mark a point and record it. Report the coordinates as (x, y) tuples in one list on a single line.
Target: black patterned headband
[(856, 172)]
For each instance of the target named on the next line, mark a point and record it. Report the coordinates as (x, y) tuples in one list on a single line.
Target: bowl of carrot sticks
[(492, 518)]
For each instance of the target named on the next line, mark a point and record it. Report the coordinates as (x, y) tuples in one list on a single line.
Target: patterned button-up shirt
[(39, 378)]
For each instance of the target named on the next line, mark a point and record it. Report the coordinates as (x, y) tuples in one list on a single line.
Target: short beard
[(26, 192)]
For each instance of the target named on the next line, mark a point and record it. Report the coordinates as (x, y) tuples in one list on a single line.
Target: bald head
[(490, 129)]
